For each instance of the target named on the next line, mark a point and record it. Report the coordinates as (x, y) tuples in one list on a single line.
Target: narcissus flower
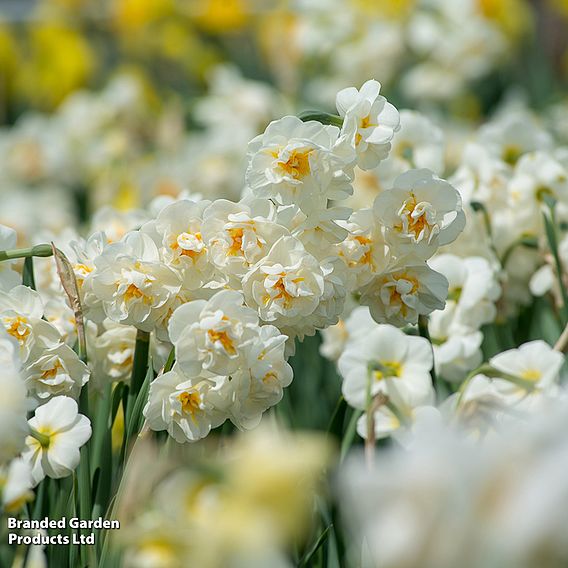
[(58, 432), (210, 336), (239, 234), (369, 121), (387, 361), (287, 285), (132, 282), (21, 313), (420, 213), (405, 291), (56, 371), (184, 407), (8, 276), (535, 363), (295, 162)]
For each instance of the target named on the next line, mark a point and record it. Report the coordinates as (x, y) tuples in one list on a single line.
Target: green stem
[(38, 250), (140, 363), (28, 278), (550, 227), (423, 331), (43, 439), (171, 360)]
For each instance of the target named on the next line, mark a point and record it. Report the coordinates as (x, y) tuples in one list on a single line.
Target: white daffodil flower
[(132, 283), (82, 255), (113, 353), (296, 162), (14, 404), (58, 313), (364, 250), (286, 286), (210, 336), (260, 384), (535, 363), (369, 122), (387, 361), (58, 432), (405, 291), (187, 408), (239, 235), (420, 213), (178, 231), (21, 313), (56, 371)]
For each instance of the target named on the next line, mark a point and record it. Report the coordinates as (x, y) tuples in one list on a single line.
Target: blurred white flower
[(13, 401), (8, 276), (535, 363), (418, 144), (15, 485)]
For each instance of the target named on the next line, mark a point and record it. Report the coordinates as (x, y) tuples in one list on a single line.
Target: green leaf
[(350, 433), (28, 278), (319, 116)]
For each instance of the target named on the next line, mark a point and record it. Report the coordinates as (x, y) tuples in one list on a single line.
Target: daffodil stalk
[(549, 204), (423, 331), (43, 250)]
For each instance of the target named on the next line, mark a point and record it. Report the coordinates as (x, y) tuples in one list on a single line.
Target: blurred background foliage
[(51, 48)]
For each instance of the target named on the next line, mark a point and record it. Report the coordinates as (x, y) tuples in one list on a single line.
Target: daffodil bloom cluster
[(231, 285)]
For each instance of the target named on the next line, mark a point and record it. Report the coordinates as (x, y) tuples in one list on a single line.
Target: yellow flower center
[(531, 375), (387, 370), (511, 154), (223, 337), (17, 328), (50, 373), (133, 292), (190, 401), (415, 223), (236, 235), (297, 165)]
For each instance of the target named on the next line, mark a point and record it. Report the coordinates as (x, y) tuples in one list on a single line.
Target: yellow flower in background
[(220, 16), (560, 6), (514, 17), (58, 60), (8, 66), (396, 9), (131, 15)]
